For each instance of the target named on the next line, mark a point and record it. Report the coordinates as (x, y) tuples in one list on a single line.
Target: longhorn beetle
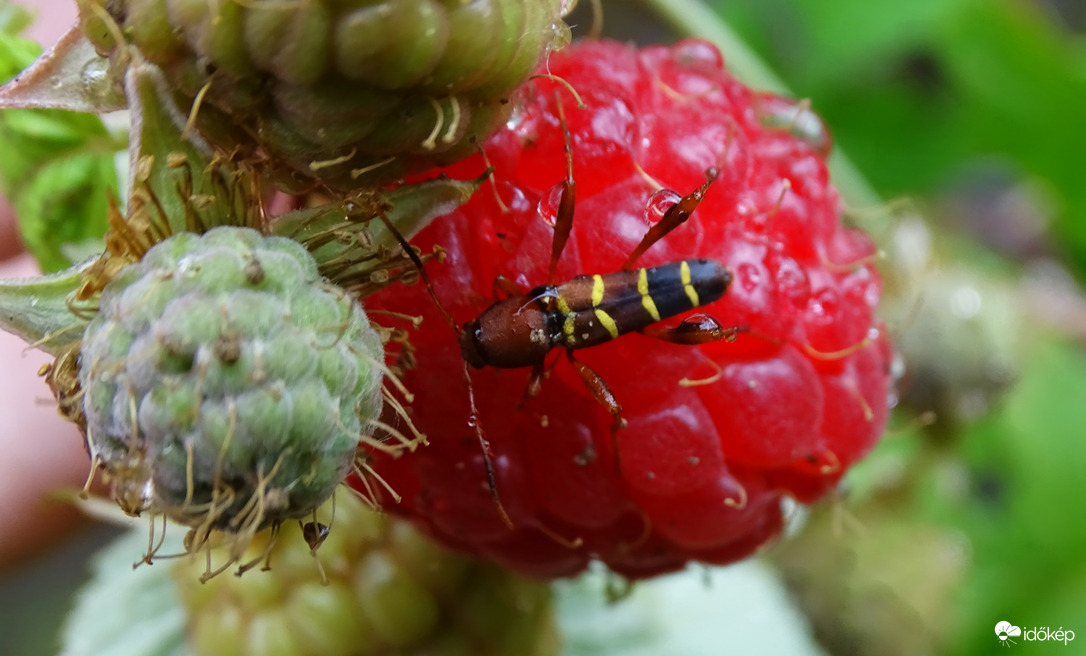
[(523, 328)]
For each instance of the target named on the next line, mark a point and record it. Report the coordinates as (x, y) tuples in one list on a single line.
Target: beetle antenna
[(488, 462), (414, 257), (484, 443)]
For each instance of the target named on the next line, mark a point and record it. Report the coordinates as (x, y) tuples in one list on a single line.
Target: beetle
[(522, 329), (588, 310)]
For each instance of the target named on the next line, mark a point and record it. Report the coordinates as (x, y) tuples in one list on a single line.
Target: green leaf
[(740, 609), (122, 612), (15, 51), (14, 18), (36, 309), (843, 37), (1026, 465), (56, 167), (1023, 85)]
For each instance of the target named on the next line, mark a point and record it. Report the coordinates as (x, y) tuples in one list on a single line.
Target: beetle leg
[(601, 391), (563, 220), (695, 329), (532, 389), (484, 444), (505, 287), (675, 216), (535, 383)]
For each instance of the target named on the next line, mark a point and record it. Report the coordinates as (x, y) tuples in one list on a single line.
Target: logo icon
[(1005, 631)]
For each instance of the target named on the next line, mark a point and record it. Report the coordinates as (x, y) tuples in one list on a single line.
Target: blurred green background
[(967, 119)]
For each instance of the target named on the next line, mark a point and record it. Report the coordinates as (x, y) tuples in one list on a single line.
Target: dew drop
[(561, 36), (518, 201), (548, 204), (695, 52), (745, 207), (749, 276), (824, 303), (872, 292), (516, 119), (797, 117), (659, 203), (94, 76), (793, 284), (187, 266)]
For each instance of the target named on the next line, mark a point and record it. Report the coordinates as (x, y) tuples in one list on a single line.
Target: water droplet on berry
[(793, 284), (518, 200), (824, 303), (659, 203), (872, 292), (797, 117), (548, 204), (744, 206), (516, 119), (749, 276), (698, 52), (753, 220)]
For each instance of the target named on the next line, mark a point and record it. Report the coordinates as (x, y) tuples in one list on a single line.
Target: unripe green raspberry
[(225, 384), (347, 93), (389, 591)]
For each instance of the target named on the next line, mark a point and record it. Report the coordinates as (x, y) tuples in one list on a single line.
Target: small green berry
[(225, 384), (376, 587)]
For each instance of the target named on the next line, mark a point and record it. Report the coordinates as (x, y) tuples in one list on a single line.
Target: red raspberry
[(784, 410)]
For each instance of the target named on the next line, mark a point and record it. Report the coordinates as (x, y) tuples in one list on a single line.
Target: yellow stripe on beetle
[(607, 322), (691, 293), (646, 298), (563, 307), (597, 290), (568, 326)]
